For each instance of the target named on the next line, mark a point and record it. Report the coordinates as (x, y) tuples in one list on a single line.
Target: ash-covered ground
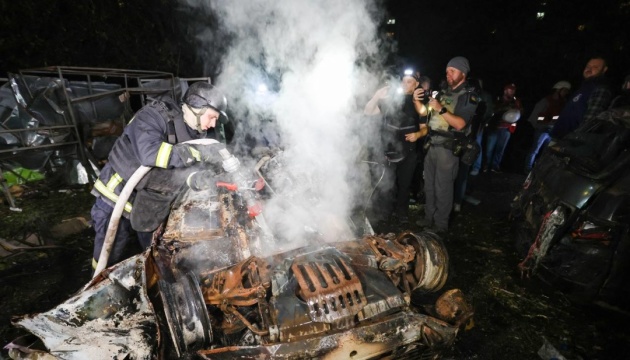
[(513, 316)]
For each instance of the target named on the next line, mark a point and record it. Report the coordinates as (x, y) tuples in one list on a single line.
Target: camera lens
[(425, 99)]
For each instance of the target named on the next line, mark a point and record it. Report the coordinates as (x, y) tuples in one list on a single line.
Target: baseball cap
[(562, 84)]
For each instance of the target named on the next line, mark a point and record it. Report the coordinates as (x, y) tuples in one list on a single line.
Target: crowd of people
[(432, 140), (438, 125)]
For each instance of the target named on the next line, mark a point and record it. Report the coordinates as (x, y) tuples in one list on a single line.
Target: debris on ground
[(511, 315)]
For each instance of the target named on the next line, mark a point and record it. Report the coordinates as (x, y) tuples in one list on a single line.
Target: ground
[(513, 316)]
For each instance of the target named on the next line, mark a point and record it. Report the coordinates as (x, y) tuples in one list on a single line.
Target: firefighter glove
[(202, 180), (191, 153)]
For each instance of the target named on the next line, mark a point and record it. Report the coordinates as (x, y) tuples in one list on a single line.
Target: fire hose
[(126, 192), (230, 165), (112, 228)]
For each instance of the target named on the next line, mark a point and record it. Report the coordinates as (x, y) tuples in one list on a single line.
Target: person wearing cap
[(507, 110), (400, 133), (154, 138), (593, 97), (543, 117), (451, 113)]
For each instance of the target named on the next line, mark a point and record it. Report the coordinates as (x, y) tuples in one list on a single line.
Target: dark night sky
[(505, 42), (502, 39)]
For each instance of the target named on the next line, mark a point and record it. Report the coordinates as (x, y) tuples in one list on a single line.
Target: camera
[(427, 96)]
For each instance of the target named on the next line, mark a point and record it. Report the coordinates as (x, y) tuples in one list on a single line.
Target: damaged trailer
[(220, 283), (62, 121)]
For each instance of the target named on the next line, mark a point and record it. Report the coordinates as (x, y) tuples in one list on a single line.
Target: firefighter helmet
[(203, 95)]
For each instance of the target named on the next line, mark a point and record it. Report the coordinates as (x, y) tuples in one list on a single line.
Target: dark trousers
[(440, 171), (417, 181), (541, 139), (127, 242), (392, 193), (461, 183), (496, 143), (404, 175)]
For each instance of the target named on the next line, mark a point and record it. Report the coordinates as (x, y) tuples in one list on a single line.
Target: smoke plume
[(302, 63)]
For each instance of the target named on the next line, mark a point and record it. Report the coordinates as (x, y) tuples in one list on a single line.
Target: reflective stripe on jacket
[(143, 142)]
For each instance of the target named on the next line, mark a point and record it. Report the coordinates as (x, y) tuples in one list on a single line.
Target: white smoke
[(316, 49)]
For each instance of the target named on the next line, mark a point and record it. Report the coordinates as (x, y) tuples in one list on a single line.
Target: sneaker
[(485, 169), (424, 222), (472, 200), (457, 208), (474, 172), (496, 170)]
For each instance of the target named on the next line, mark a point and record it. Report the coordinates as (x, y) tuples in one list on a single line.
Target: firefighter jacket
[(147, 140)]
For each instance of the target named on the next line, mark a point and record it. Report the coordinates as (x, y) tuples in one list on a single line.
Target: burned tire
[(186, 314)]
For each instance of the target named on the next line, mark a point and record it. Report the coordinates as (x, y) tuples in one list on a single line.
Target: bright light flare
[(262, 89)]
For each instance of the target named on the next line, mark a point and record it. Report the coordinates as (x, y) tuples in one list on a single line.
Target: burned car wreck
[(572, 216), (220, 283)]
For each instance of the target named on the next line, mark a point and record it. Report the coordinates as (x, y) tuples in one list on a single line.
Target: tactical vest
[(399, 119), (440, 129)]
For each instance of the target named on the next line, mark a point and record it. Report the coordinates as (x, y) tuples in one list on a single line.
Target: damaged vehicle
[(573, 214), (221, 282)]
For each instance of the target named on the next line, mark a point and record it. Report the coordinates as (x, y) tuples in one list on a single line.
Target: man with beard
[(401, 130), (451, 113), (591, 98)]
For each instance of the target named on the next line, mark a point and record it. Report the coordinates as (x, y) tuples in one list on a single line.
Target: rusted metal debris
[(209, 289), (109, 318)]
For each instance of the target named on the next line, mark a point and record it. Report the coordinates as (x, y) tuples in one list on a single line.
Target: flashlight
[(262, 89)]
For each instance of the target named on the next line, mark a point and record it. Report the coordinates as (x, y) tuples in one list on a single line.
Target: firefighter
[(154, 138)]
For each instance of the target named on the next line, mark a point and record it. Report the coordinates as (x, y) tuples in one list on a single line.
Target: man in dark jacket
[(591, 98), (543, 117), (401, 130), (153, 138)]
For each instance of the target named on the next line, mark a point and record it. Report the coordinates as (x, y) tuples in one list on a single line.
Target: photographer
[(400, 109), (451, 113), (417, 182)]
